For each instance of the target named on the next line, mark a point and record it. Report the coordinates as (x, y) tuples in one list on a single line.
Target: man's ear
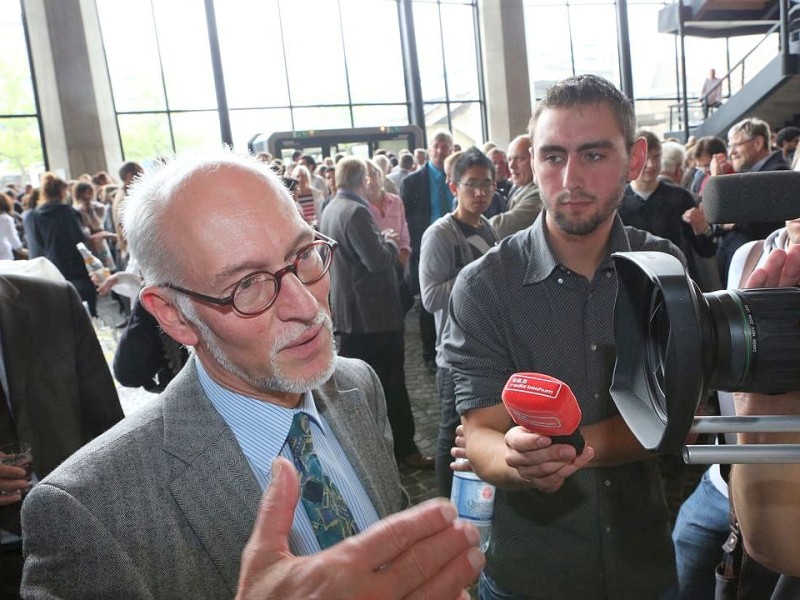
[(161, 306), (638, 156)]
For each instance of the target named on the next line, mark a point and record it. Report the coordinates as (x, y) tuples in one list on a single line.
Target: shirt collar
[(434, 171), (542, 261), (259, 427)]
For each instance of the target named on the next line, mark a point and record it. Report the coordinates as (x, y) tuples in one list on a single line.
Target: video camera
[(675, 343)]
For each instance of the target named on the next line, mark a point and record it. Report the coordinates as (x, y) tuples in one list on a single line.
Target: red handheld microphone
[(544, 405)]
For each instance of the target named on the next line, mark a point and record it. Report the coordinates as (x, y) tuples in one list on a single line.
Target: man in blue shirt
[(426, 197), (162, 506)]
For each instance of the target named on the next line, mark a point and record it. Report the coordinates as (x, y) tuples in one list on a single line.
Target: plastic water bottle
[(93, 264), (474, 500)]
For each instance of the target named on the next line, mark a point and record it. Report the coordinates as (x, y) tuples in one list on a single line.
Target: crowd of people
[(268, 465)]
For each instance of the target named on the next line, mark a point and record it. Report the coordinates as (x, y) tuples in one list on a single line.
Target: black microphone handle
[(574, 439)]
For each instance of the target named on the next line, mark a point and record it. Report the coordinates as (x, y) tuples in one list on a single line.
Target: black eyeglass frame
[(319, 239)]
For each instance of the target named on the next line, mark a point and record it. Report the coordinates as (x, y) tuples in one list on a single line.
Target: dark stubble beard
[(586, 226)]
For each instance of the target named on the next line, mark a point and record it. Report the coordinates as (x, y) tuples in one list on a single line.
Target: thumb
[(276, 511)]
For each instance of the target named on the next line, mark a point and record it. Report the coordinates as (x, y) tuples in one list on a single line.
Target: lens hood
[(658, 378)]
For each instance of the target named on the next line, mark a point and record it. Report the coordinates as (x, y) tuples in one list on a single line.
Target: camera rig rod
[(757, 424), (749, 454)]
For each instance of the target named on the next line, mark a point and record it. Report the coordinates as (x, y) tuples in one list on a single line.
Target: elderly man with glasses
[(169, 503)]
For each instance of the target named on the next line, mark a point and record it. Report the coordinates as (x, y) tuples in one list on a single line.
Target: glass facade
[(569, 37), (22, 157), (286, 66)]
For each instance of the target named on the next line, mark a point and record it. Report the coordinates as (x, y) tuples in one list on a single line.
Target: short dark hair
[(710, 145), (787, 134), (309, 160), (129, 168), (81, 188), (471, 157), (407, 161), (653, 143), (581, 90)]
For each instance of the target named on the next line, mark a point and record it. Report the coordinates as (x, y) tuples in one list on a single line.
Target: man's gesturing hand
[(421, 553)]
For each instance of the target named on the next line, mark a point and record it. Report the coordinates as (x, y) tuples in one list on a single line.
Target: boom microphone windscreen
[(544, 405), (752, 197)]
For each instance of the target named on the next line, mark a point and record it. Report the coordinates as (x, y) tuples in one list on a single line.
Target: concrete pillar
[(508, 97), (78, 120)]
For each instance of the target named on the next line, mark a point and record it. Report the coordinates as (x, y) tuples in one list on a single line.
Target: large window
[(286, 66), (21, 155), (449, 64), (569, 37), (159, 64)]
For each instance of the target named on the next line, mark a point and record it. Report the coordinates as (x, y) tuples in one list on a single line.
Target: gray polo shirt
[(606, 532)]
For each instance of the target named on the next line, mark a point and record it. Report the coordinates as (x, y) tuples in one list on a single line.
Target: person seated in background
[(162, 505), (56, 394)]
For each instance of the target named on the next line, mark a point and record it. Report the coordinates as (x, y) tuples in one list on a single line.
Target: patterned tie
[(330, 517)]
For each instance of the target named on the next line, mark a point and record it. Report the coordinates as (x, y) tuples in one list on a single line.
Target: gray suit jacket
[(524, 205), (162, 505), (365, 296)]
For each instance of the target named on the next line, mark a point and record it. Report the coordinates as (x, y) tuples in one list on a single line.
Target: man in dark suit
[(162, 505), (368, 317), (57, 393), (750, 152), (426, 197)]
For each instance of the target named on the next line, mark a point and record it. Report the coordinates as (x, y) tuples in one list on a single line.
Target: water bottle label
[(473, 498)]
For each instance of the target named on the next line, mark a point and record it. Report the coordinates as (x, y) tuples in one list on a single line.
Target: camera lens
[(675, 343)]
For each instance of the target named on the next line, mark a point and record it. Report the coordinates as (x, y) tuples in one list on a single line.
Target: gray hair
[(753, 127), (673, 155), (151, 195), (351, 173), (383, 163)]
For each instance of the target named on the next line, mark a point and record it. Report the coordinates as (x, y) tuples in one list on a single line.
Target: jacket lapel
[(217, 491), (350, 420), (14, 328)]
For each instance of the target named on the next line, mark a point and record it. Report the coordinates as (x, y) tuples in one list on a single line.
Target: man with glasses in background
[(162, 506), (450, 244), (524, 202), (749, 150)]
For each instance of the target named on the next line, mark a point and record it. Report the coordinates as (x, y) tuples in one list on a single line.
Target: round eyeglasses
[(256, 292)]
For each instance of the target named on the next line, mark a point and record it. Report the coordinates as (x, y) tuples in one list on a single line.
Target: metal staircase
[(773, 91)]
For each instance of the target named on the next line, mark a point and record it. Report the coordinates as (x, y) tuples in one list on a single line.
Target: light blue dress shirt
[(261, 429)]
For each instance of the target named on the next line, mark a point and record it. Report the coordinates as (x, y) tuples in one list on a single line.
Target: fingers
[(553, 481), (771, 273), (439, 566), (389, 538), (13, 482), (276, 512)]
